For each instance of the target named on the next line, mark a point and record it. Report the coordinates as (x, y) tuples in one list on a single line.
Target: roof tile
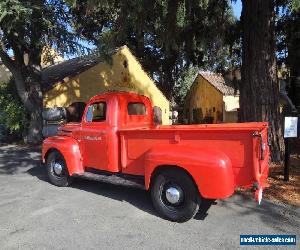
[(218, 81)]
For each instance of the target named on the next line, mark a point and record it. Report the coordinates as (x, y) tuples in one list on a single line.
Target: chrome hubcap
[(174, 195), (57, 168)]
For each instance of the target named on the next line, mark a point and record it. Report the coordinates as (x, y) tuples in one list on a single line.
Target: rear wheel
[(174, 195), (57, 170)]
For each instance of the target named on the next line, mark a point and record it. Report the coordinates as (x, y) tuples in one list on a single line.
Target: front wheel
[(174, 195), (57, 170)]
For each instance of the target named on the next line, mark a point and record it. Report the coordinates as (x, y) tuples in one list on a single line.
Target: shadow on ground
[(17, 159), (269, 213), (136, 197), (275, 215)]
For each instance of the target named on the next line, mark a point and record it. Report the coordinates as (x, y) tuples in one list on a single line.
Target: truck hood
[(69, 129)]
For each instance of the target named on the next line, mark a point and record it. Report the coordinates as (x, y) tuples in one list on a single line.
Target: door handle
[(102, 133)]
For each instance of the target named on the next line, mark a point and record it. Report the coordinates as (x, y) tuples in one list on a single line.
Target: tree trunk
[(29, 90), (35, 128), (32, 99), (259, 92)]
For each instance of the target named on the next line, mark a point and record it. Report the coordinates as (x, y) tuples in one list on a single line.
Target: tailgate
[(261, 155)]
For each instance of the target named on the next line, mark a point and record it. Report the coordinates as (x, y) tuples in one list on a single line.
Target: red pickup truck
[(118, 142)]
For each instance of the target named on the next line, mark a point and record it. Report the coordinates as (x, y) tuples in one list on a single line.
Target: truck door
[(94, 136)]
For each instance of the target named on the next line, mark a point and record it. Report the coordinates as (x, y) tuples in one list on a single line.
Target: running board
[(113, 179)]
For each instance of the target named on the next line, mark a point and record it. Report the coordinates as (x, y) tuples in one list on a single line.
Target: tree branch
[(18, 77), (7, 61)]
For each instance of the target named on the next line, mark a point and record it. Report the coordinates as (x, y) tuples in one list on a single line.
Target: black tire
[(187, 205), (60, 180)]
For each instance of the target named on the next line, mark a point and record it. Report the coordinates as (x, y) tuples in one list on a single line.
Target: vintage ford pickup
[(118, 142)]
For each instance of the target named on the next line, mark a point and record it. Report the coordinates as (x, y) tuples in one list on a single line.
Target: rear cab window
[(136, 108), (137, 114)]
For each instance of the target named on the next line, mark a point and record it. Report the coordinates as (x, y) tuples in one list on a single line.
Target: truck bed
[(235, 140)]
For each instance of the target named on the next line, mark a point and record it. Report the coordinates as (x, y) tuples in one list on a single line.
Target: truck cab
[(118, 142)]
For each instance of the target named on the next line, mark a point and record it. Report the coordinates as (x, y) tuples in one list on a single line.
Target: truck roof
[(129, 95)]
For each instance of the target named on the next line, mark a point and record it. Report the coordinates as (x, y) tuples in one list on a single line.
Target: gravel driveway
[(37, 215)]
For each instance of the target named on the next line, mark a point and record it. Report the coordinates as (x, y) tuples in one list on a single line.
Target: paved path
[(37, 215)]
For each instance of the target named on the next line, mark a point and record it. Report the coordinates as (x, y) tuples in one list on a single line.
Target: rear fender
[(210, 169), (69, 148)]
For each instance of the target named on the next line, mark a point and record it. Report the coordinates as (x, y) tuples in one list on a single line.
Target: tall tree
[(288, 45), (259, 94), (26, 27), (166, 35)]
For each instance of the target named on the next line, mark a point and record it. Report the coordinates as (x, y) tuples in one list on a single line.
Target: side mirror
[(157, 115)]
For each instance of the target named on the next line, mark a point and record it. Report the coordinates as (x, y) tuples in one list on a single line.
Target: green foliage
[(183, 84), (295, 5), (287, 29), (26, 28), (166, 35), (288, 47), (29, 26), (12, 113)]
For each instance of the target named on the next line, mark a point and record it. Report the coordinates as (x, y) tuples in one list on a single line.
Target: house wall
[(205, 100), (231, 106), (124, 73)]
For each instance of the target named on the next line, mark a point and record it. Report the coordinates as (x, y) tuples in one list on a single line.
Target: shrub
[(13, 116)]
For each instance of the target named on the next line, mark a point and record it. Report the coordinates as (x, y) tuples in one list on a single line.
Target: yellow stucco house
[(211, 100), (78, 79)]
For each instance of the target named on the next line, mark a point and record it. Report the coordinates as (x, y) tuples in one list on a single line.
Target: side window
[(96, 112), (136, 108)]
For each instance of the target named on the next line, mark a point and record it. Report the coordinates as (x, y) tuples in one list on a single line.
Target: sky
[(237, 8)]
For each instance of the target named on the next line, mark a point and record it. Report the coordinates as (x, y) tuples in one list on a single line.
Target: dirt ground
[(280, 190), (287, 192)]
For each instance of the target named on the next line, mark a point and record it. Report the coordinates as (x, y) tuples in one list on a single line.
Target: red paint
[(219, 157)]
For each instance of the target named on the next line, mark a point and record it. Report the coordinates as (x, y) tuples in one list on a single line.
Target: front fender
[(69, 148), (211, 169)]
